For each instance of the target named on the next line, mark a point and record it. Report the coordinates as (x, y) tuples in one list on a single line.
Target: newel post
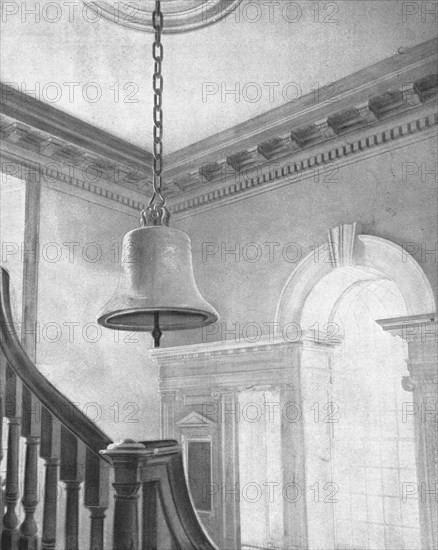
[(127, 457)]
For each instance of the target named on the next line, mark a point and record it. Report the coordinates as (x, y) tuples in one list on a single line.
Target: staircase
[(149, 499)]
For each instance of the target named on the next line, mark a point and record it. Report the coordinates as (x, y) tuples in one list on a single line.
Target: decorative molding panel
[(179, 15)]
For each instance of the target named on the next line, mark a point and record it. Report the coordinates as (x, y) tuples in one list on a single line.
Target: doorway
[(373, 445)]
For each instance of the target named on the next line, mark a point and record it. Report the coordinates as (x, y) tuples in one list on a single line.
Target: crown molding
[(66, 177), (42, 120), (37, 137), (321, 161), (380, 108), (367, 111), (374, 92)]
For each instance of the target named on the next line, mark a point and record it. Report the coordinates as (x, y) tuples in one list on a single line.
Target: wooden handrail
[(164, 478), (52, 399)]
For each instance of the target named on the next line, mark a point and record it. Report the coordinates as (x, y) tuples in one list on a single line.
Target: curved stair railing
[(75, 451)]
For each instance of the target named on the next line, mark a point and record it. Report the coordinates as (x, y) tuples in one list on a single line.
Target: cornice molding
[(382, 107), (373, 109), (415, 328), (62, 176), (374, 92), (321, 161), (36, 137), (230, 367), (193, 352), (45, 122)]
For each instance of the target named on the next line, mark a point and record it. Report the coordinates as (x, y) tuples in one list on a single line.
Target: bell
[(157, 287)]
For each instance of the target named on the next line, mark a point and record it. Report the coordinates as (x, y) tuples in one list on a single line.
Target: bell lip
[(210, 317)]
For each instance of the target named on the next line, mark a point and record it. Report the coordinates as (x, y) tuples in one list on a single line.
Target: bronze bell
[(157, 287)]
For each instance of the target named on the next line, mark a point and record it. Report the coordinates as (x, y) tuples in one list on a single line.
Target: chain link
[(156, 213), (157, 84)]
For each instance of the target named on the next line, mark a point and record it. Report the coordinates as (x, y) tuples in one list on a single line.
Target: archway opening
[(372, 437)]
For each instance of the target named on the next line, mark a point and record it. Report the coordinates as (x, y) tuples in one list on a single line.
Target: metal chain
[(157, 84), (156, 213)]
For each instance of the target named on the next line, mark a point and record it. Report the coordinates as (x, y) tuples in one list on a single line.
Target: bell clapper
[(156, 333)]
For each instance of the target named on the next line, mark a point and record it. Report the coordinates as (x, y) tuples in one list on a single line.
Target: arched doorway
[(343, 288)]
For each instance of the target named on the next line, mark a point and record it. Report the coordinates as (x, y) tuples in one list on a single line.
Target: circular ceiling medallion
[(179, 15)]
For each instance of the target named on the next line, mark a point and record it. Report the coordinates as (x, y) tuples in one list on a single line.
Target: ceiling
[(290, 45)]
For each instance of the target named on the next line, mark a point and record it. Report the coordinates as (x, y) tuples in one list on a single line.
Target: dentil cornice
[(382, 107)]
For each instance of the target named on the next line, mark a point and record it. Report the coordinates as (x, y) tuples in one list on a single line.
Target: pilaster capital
[(220, 392), (426, 383), (421, 334), (169, 396), (413, 329)]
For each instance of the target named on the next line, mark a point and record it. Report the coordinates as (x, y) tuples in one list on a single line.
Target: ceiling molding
[(356, 113), (384, 106), (21, 163), (320, 164), (364, 97), (38, 127), (179, 15), (37, 137)]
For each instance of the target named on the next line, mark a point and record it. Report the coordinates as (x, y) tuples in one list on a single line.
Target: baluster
[(31, 430), (50, 451), (127, 458), (13, 393), (2, 412), (96, 497), (72, 474)]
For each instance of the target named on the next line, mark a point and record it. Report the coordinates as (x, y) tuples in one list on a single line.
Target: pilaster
[(228, 432), (421, 334)]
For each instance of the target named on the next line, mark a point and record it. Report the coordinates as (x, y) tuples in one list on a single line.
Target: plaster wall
[(12, 204), (244, 252), (110, 375), (107, 374)]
